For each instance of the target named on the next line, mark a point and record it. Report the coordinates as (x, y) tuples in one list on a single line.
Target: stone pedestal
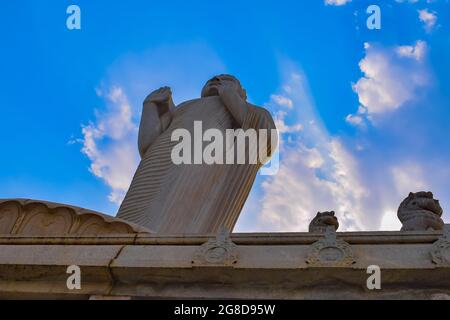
[(258, 266), (135, 264)]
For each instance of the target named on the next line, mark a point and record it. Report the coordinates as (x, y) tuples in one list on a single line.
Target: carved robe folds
[(190, 198)]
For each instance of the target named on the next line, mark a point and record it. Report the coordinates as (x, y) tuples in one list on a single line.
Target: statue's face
[(326, 219), (211, 87), (423, 201)]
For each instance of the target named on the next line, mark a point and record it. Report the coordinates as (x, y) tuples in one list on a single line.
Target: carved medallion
[(330, 252), (220, 251), (441, 249)]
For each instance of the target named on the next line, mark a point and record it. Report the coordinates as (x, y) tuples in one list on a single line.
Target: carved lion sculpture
[(322, 221), (420, 211)]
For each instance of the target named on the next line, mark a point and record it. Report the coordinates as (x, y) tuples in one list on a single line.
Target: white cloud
[(321, 172), (282, 126), (390, 221), (292, 197), (313, 159), (416, 51), (336, 2), (316, 173), (392, 78), (355, 120), (110, 144), (409, 177), (282, 100), (358, 119), (311, 180), (409, 1), (428, 18)]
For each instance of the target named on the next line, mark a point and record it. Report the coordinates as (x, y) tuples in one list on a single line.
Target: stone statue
[(193, 198), (322, 221), (420, 211)]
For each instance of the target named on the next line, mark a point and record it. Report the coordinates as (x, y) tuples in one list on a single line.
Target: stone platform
[(123, 261)]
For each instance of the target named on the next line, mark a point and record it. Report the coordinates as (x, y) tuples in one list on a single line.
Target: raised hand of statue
[(233, 97), (162, 97), (229, 90)]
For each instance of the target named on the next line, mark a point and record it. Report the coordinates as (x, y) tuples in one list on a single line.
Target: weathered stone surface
[(93, 297), (171, 198), (40, 271), (441, 249), (420, 211), (41, 218), (220, 251), (322, 221), (267, 266), (330, 252)]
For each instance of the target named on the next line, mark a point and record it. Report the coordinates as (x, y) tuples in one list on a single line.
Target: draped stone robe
[(193, 198)]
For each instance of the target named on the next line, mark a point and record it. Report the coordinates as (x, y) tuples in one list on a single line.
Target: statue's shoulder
[(198, 102), (183, 106), (187, 102), (261, 112)]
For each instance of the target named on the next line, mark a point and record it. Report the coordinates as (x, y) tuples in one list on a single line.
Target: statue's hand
[(228, 90), (162, 96), (229, 93)]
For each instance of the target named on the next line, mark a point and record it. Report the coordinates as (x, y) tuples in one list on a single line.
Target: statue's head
[(421, 201), (211, 87), (420, 211), (322, 221)]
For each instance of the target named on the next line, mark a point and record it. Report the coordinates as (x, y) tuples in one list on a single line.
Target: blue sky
[(364, 113)]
